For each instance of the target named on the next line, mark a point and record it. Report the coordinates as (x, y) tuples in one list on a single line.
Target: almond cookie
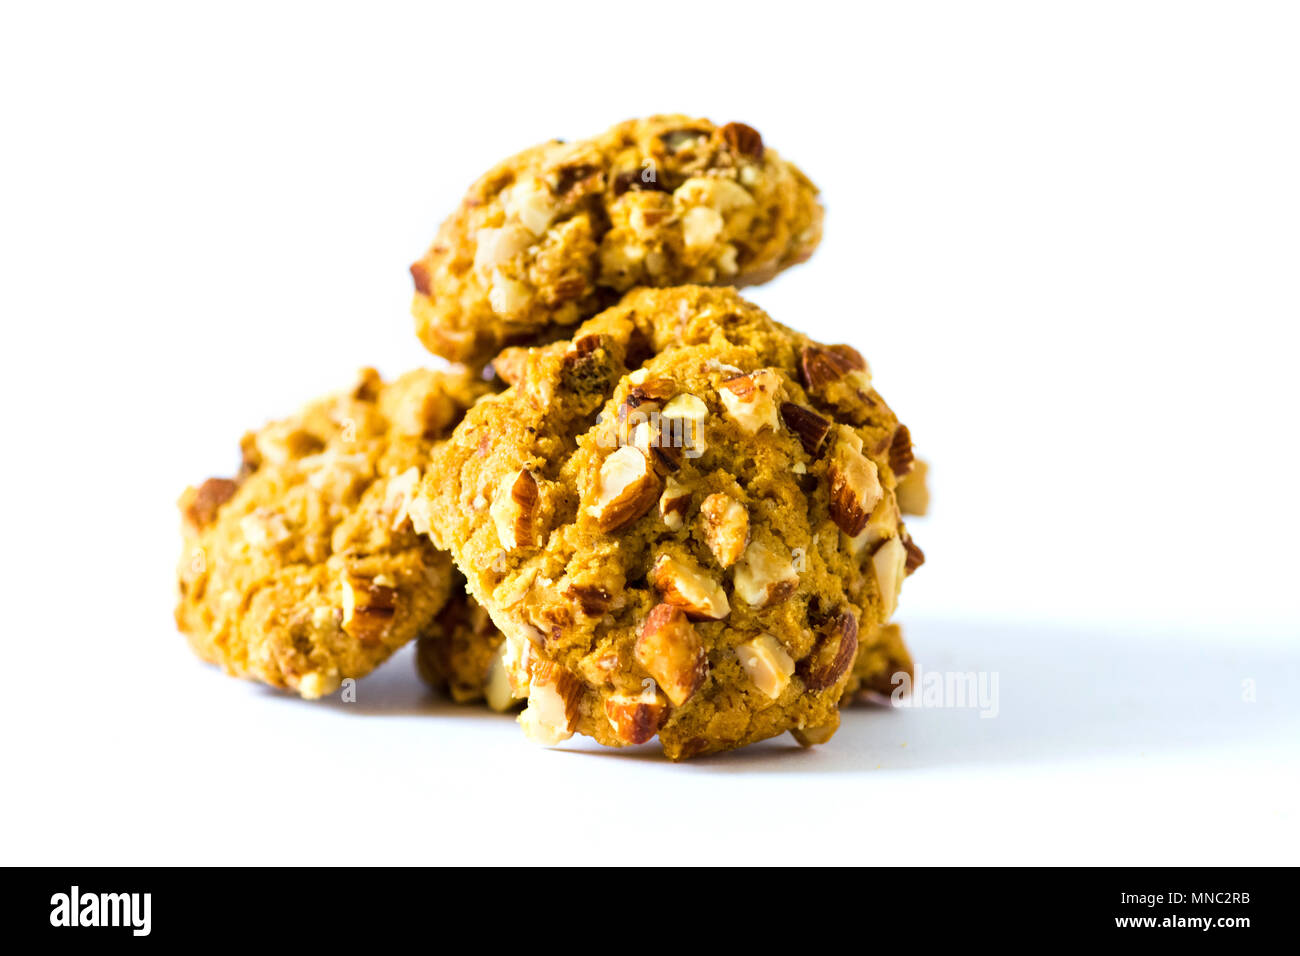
[(553, 235), (303, 569), (683, 520)]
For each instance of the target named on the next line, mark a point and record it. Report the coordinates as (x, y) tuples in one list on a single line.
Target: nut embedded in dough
[(915, 556), (726, 527), (883, 523), (514, 511), (767, 664), (686, 406), (764, 576), (833, 655), (592, 599), (200, 507), (673, 504), (368, 608), (686, 586), (827, 366), (627, 487), (890, 565), (743, 139), (553, 696), (839, 376), (671, 652), (750, 400), (808, 426), (900, 452), (636, 718), (855, 485)]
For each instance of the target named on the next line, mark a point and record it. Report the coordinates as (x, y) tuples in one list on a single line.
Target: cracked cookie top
[(555, 234), (303, 569), (683, 519)]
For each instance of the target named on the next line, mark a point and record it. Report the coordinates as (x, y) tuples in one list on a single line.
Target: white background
[(1065, 235)]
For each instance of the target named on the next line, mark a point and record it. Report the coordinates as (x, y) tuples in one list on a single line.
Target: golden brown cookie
[(303, 570), (556, 233), (683, 520)]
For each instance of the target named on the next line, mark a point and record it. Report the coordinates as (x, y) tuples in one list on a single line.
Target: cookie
[(556, 233), (683, 519), (303, 569)]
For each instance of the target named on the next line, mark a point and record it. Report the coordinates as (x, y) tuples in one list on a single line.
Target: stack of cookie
[(636, 506)]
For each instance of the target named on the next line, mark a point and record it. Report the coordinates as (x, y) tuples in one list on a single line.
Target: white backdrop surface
[(1065, 235)]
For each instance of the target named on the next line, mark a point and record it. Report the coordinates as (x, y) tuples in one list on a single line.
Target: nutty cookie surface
[(683, 520), (303, 569), (556, 233), (465, 656)]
